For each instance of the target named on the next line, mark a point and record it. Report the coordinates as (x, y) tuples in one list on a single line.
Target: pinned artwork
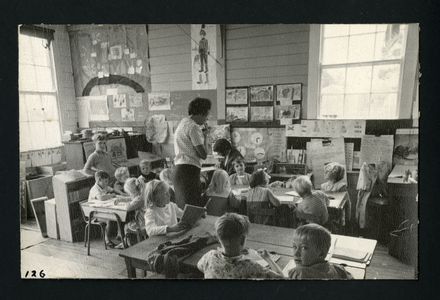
[(135, 100), (159, 101), (262, 93), (261, 113), (156, 129), (237, 114), (119, 100), (204, 56), (127, 114), (98, 108), (236, 96), (116, 52), (292, 112), (289, 92)]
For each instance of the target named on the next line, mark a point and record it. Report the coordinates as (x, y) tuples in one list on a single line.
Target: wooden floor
[(61, 259)]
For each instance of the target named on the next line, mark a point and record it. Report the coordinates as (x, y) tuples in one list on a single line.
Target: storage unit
[(36, 187), (69, 191)]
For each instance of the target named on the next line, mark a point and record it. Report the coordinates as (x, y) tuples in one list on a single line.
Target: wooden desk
[(118, 213), (272, 238)]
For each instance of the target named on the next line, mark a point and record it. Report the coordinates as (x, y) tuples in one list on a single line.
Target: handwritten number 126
[(33, 273)]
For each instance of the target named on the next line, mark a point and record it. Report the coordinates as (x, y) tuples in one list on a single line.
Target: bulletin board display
[(259, 144)]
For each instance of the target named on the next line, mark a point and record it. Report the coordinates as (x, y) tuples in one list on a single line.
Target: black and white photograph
[(112, 188)]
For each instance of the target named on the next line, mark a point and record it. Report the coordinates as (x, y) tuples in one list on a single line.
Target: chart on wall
[(203, 56), (259, 143), (110, 54)]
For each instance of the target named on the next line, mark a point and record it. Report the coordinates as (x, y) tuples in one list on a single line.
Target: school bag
[(166, 258)]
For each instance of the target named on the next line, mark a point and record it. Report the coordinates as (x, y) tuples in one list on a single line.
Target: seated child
[(161, 214), (100, 159), (311, 243), (101, 191), (334, 173), (229, 261), (260, 196), (121, 176), (240, 177), (135, 189), (166, 175), (313, 207), (220, 187), (146, 173)]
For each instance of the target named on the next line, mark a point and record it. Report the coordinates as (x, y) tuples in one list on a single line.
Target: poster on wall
[(263, 93), (236, 96), (127, 114), (237, 114), (289, 92), (98, 108), (159, 101), (292, 112), (261, 113), (203, 56)]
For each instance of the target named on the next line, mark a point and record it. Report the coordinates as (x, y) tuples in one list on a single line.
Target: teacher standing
[(190, 147)]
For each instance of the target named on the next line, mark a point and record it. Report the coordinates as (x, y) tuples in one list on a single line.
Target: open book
[(351, 254), (191, 214)]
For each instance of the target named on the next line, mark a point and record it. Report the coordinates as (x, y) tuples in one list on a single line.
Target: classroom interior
[(291, 98)]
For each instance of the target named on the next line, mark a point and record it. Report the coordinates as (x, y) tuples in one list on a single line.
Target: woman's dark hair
[(257, 178), (199, 106), (222, 146)]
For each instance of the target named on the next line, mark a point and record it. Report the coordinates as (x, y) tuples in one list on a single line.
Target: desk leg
[(88, 232), (118, 220), (131, 271)]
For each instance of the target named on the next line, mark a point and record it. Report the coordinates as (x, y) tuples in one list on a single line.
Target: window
[(38, 107), (360, 71)]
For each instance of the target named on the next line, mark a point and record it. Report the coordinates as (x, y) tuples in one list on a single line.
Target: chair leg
[(103, 235), (88, 239), (85, 235)]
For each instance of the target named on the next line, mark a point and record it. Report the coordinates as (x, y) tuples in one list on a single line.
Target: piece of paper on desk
[(286, 199), (290, 265), (292, 193)]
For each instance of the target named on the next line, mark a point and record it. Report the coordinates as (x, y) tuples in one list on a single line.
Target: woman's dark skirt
[(187, 185)]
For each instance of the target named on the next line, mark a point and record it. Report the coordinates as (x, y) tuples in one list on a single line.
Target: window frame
[(407, 74), (44, 33)]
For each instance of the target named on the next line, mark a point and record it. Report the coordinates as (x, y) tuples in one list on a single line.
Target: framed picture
[(238, 96), (288, 112), (116, 52), (159, 101), (261, 93), (289, 92), (237, 114), (261, 113)]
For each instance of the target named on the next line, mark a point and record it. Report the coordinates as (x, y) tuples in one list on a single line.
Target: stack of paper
[(351, 255)]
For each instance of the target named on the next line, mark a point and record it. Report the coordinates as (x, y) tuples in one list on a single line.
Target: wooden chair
[(95, 222), (265, 216), (378, 213), (139, 234)]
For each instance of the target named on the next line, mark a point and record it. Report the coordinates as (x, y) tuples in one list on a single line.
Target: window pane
[(44, 79), (39, 52), (332, 106), (362, 28), (361, 48), (26, 74), (23, 117), (34, 108), (53, 134), (25, 140), (383, 106), (357, 106), (24, 50), (335, 50), (38, 135), (50, 107), (335, 30), (332, 80), (386, 78), (389, 44), (358, 80)]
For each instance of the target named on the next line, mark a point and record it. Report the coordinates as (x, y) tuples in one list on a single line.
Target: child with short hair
[(240, 177), (313, 207), (101, 191), (166, 175), (311, 243), (121, 176), (100, 159), (220, 187), (230, 261), (334, 174), (146, 171), (134, 188), (161, 214), (260, 197)]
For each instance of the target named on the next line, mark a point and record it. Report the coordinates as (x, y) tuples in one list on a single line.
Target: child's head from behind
[(145, 166), (259, 178), (334, 172), (167, 176), (219, 182), (302, 185), (156, 193), (239, 166), (231, 230), (102, 178), (311, 243), (100, 141), (133, 187), (122, 174)]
